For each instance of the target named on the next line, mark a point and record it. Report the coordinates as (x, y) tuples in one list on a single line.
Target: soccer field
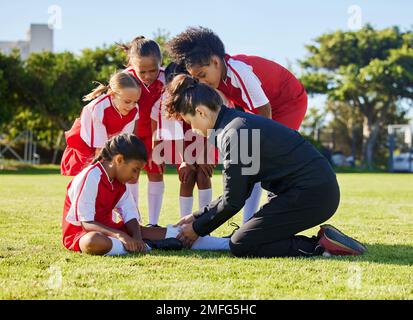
[(376, 209)]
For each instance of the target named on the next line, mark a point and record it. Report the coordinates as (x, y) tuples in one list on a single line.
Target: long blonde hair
[(119, 80)]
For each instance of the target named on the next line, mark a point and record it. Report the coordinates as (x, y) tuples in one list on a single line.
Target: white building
[(39, 38)]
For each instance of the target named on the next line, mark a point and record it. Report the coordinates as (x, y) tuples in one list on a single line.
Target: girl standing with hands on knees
[(144, 64), (190, 172)]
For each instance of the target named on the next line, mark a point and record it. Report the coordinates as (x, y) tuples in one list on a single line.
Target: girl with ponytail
[(100, 216), (303, 187), (196, 167), (112, 109), (144, 61)]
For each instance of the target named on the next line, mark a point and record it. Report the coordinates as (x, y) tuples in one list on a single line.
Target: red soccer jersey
[(98, 122), (149, 96), (92, 196), (167, 129), (252, 82)]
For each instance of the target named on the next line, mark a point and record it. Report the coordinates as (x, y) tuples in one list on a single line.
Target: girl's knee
[(155, 177), (190, 180), (95, 243), (203, 181)]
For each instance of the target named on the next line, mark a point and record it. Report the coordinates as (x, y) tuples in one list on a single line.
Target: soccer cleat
[(165, 244), (236, 227), (337, 243), (153, 225)]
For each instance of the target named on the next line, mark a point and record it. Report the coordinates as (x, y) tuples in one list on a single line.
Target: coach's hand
[(187, 235), (185, 220)]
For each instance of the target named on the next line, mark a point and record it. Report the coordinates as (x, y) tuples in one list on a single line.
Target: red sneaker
[(337, 243)]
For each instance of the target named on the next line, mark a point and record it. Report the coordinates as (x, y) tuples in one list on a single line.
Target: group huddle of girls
[(148, 116)]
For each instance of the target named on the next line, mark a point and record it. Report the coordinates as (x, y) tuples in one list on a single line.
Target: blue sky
[(276, 30)]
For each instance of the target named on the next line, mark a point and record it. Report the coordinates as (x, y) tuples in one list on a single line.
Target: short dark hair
[(195, 46), (141, 47), (172, 70), (128, 145), (185, 93)]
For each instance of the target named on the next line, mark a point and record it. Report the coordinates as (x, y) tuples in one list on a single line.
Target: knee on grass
[(239, 249), (95, 243)]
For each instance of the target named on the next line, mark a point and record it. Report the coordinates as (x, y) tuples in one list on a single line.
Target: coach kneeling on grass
[(303, 186)]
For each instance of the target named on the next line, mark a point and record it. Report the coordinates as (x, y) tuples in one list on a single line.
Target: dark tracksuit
[(303, 184)]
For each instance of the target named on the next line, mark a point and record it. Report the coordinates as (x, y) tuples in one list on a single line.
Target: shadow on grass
[(30, 171), (397, 254), (376, 253), (198, 254)]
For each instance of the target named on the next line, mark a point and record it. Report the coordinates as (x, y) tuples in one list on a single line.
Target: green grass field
[(377, 209)]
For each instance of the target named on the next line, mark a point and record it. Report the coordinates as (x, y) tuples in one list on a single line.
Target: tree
[(162, 37), (104, 61), (44, 93), (55, 84), (313, 122), (369, 70), (11, 86)]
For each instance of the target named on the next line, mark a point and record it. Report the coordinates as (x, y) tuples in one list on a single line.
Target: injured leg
[(202, 243)]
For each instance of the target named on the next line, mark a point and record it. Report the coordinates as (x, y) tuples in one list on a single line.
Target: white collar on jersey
[(104, 170), (226, 72), (114, 107)]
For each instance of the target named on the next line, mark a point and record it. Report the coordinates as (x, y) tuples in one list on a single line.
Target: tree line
[(365, 75)]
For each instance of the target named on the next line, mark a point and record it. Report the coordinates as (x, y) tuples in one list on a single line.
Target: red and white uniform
[(252, 82), (98, 122), (92, 196), (169, 131), (149, 96)]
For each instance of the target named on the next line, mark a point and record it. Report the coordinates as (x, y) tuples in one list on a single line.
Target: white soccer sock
[(204, 197), (117, 248), (211, 243), (252, 203), (155, 197), (202, 243), (171, 231), (185, 205), (134, 189)]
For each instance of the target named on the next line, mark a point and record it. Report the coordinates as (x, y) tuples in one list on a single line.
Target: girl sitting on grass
[(100, 216)]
